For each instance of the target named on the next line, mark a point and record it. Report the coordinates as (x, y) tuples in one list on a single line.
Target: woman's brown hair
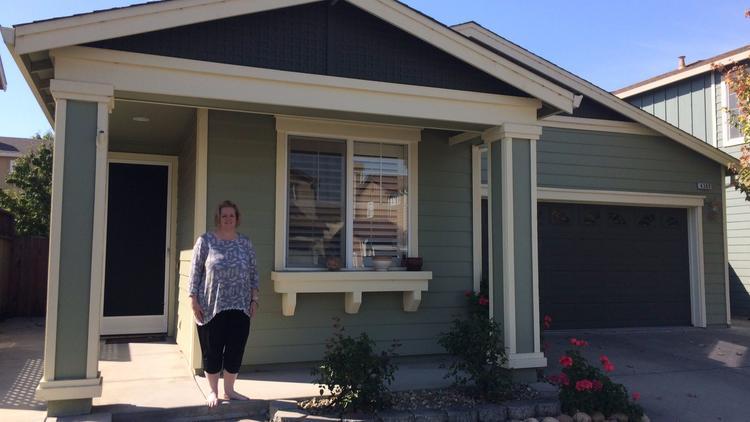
[(226, 204)]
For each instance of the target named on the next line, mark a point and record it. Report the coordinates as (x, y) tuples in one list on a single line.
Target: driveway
[(682, 374)]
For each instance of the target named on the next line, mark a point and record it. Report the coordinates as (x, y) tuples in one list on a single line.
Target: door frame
[(148, 324)]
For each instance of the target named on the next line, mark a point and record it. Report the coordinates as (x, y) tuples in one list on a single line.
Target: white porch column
[(512, 221), (76, 253)]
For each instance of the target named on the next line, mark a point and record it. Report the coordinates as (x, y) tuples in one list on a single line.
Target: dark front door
[(136, 265), (613, 266)]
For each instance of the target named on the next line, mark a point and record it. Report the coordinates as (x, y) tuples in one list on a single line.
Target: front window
[(733, 136), (346, 199)]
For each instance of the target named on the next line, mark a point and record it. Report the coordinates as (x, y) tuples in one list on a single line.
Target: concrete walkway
[(682, 374)]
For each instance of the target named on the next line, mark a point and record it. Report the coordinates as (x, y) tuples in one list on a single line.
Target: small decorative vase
[(413, 263), (333, 263)]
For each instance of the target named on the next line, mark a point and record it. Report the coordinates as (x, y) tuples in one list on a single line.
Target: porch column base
[(526, 360), (63, 408), (69, 389)]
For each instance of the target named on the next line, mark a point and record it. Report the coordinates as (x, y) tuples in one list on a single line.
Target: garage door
[(613, 266)]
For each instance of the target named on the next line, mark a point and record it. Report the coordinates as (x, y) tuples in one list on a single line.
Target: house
[(695, 98), (353, 129), (10, 150)]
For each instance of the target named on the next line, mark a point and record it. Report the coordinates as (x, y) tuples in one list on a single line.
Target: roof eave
[(9, 38)]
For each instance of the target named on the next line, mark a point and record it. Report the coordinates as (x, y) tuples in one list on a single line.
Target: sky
[(612, 43)]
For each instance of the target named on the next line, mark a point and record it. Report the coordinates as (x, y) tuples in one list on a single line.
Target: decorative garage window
[(346, 193)]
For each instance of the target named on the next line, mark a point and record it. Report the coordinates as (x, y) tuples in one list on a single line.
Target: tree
[(737, 79), (29, 202)]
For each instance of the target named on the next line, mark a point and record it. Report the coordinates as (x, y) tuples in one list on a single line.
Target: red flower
[(609, 367), (603, 359), (636, 396), (553, 379), (484, 301), (579, 343), (468, 293), (597, 385), (566, 361), (564, 380), (547, 322), (584, 385)]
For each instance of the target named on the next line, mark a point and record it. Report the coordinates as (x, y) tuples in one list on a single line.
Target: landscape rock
[(619, 417), (520, 410), (550, 419), (288, 416), (564, 418), (581, 417), (645, 418), (461, 415), (598, 417), (427, 415)]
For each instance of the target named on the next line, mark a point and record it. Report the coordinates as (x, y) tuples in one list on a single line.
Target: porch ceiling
[(166, 129)]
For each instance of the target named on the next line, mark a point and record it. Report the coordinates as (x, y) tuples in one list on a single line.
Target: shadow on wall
[(739, 296)]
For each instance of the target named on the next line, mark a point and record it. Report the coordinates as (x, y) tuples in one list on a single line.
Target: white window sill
[(352, 284)]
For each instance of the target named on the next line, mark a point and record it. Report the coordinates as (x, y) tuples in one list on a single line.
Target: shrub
[(476, 345), (586, 388), (354, 373)]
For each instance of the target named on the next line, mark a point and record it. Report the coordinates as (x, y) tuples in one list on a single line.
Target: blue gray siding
[(738, 242), (241, 167), (688, 104), (607, 161)]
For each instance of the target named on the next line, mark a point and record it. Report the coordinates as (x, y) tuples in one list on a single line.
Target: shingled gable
[(589, 91), (154, 17)]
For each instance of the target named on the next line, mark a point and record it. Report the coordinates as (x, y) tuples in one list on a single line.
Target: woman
[(224, 294)]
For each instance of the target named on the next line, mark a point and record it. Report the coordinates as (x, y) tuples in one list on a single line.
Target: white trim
[(9, 39), (83, 91), (591, 196), (136, 72), (201, 172), (687, 73), (463, 137), (599, 125), (53, 269), (509, 254), (714, 117), (140, 324), (726, 243), (3, 81), (510, 130), (726, 141), (490, 222), (473, 30), (126, 21), (98, 240), (353, 284), (694, 206), (534, 245), (69, 389), (349, 132), (11, 154), (476, 214), (526, 360)]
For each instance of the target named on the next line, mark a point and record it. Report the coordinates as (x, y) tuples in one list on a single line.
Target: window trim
[(726, 141), (350, 132)]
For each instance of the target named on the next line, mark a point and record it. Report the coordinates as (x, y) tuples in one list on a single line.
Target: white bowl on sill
[(382, 263)]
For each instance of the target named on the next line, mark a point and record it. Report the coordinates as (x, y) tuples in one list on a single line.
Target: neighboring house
[(350, 129), (695, 98), (10, 150)]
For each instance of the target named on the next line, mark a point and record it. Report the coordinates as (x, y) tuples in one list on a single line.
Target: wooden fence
[(23, 271)]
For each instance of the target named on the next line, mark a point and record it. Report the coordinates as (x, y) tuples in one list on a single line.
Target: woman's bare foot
[(233, 395), (212, 400)]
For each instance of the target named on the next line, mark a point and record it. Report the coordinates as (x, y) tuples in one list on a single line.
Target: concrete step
[(251, 410)]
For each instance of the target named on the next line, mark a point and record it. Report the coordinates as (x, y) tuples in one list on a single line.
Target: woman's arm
[(254, 281), (198, 275)]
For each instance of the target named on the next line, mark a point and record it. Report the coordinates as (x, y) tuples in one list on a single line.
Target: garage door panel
[(626, 266)]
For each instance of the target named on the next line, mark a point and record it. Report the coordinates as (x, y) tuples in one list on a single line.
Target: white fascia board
[(3, 81), (162, 75), (9, 37), (688, 73), (458, 46), (134, 20), (473, 30)]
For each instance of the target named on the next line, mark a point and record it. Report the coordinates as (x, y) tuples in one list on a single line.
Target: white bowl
[(381, 264)]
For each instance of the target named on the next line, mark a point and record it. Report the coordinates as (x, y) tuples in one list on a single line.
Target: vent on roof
[(680, 62)]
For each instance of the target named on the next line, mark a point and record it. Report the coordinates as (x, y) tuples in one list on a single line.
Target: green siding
[(75, 240), (738, 242), (241, 167), (609, 161), (495, 221), (522, 246), (186, 195), (687, 105)]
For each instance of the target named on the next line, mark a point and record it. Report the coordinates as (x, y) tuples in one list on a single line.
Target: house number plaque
[(704, 186)]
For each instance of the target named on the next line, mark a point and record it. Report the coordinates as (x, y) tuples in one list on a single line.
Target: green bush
[(356, 375), (476, 346), (586, 388)]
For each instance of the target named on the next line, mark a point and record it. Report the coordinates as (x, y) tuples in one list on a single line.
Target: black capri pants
[(223, 341)]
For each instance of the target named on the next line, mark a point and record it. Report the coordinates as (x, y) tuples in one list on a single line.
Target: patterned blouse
[(222, 274)]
